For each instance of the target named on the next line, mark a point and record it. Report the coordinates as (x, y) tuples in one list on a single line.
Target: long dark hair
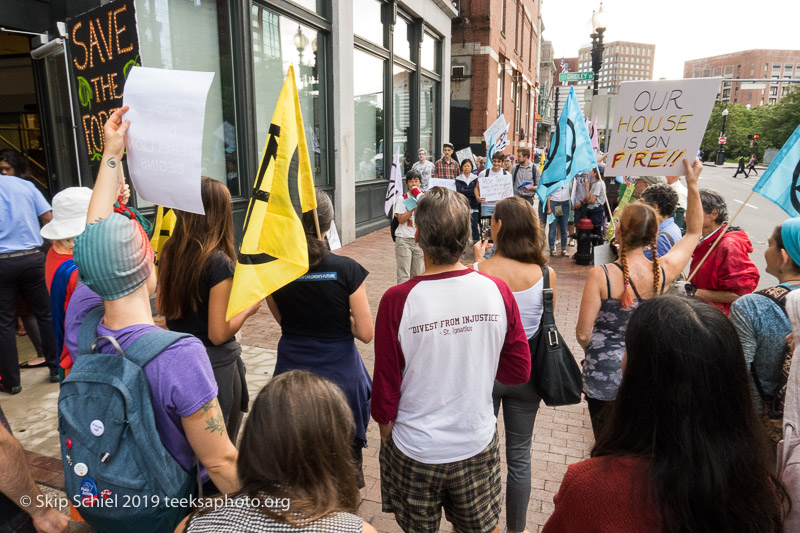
[(318, 248), (521, 237), (195, 239), (297, 444), (17, 161), (685, 406)]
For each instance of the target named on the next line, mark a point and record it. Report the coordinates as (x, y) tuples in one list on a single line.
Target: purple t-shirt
[(181, 380)]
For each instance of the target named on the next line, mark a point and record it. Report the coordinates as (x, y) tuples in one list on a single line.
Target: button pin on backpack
[(81, 469), (97, 428)]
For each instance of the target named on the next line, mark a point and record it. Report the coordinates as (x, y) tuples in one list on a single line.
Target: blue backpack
[(117, 472)]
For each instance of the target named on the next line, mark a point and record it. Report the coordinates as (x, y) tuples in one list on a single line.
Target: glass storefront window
[(402, 115), (196, 36), (367, 20), (427, 115), (368, 91), (428, 58), (316, 6), (278, 42), (402, 48)]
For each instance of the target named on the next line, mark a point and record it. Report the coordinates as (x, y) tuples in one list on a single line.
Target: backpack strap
[(514, 172), (668, 236), (88, 330), (148, 346), (778, 295), (547, 299)]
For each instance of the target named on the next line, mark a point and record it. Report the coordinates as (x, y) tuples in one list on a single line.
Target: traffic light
[(756, 136), (749, 137)]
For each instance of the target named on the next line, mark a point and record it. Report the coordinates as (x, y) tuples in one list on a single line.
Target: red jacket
[(605, 495), (728, 268)]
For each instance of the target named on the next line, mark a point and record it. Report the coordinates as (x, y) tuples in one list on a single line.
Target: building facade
[(774, 65), (622, 61), (495, 57), (370, 76), (548, 77)]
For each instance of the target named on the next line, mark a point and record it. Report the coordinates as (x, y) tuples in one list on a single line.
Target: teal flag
[(781, 181), (570, 150)]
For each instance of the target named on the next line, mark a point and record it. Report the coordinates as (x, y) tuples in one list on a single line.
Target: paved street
[(758, 218)]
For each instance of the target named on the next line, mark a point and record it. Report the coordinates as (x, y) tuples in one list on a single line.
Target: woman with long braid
[(613, 291)]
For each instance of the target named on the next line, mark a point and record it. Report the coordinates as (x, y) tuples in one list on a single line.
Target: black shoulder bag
[(554, 372)]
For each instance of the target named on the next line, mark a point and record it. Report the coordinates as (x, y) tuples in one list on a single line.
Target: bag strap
[(148, 346), (547, 300), (668, 236), (514, 172), (88, 330), (608, 281)]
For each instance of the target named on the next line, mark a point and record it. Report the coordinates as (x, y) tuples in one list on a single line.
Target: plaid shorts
[(469, 490)]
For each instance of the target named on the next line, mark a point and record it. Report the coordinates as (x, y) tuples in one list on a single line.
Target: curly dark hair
[(663, 196)]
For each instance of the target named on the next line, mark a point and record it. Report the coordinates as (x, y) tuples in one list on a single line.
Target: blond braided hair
[(656, 268)]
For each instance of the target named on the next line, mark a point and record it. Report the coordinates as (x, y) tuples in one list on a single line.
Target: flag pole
[(316, 224), (719, 237)]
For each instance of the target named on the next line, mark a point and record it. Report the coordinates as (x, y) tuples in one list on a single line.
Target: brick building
[(494, 61), (622, 61), (749, 64)]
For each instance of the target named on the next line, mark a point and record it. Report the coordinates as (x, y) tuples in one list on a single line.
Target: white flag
[(395, 184)]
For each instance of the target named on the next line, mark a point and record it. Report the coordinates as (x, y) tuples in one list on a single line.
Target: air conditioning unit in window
[(457, 73)]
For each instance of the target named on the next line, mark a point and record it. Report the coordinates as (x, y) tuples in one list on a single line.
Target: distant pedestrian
[(740, 168), (496, 171), (408, 254), (446, 168), (508, 162), (441, 340), (320, 314), (313, 491), (465, 184), (751, 165), (424, 167), (526, 176), (23, 211)]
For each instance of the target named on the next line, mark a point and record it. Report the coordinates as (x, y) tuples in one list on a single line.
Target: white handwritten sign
[(439, 182), (657, 124), (466, 153), (496, 187), (497, 133), (165, 139)]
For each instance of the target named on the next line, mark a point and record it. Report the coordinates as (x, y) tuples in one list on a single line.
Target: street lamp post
[(721, 152), (598, 28)]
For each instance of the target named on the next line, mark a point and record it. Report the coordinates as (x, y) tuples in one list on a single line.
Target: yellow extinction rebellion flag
[(274, 250), (162, 230)]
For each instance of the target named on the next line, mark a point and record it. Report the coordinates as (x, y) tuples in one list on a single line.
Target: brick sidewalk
[(561, 435)]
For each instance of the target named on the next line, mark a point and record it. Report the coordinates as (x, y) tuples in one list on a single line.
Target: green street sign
[(576, 76)]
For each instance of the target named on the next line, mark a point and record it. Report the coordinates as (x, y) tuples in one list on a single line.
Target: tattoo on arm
[(111, 162), (213, 417)]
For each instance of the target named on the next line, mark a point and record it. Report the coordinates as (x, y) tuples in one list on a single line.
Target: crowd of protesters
[(685, 404)]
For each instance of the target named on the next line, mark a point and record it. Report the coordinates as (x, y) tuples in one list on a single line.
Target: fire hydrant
[(587, 239)]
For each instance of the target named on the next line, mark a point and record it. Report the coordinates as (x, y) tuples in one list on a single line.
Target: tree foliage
[(774, 123)]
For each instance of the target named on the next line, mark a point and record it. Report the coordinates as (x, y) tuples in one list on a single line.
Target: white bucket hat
[(69, 214)]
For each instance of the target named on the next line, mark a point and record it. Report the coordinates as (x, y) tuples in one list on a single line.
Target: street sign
[(722, 140), (576, 76)]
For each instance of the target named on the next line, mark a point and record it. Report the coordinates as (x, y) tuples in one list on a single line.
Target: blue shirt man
[(668, 234), (21, 205)]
